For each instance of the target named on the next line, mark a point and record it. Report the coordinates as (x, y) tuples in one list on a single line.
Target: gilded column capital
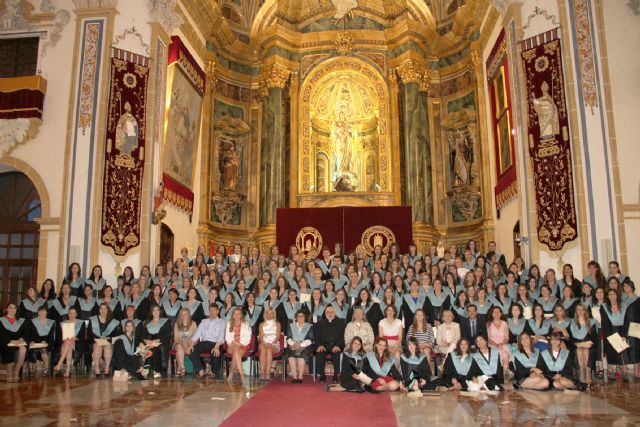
[(412, 72), (274, 76)]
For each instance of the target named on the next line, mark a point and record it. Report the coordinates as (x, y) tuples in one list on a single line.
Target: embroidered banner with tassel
[(549, 139), (124, 156)]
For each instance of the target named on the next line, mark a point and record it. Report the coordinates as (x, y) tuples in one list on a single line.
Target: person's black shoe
[(294, 381), (300, 381)]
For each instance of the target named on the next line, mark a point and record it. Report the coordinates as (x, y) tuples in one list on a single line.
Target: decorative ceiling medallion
[(344, 42), (377, 235), (308, 238)]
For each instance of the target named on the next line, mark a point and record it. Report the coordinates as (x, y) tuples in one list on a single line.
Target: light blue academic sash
[(319, 310), (341, 312), (512, 291), (97, 286), (136, 302), (77, 283), (414, 304), (462, 365), (527, 362), (437, 300), (555, 365), (561, 325), (253, 316), (15, 327), (291, 310), (32, 306), (191, 306), (591, 281), (135, 322), (129, 346), (516, 328), (171, 310), (63, 311), (299, 335), (95, 327), (328, 298), (539, 330), (43, 330), (375, 365), (617, 319), (578, 331), (112, 304), (568, 303), (504, 306), (87, 306), (489, 368), (155, 329), (547, 306)]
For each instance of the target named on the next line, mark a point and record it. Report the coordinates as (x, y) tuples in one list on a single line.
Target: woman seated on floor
[(556, 364), (486, 367), (124, 353), (414, 366), (381, 368), (525, 365), (299, 340), (351, 368)]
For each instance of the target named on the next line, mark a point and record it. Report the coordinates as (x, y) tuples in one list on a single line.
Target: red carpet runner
[(310, 405)]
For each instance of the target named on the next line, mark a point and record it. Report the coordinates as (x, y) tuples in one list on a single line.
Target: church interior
[(174, 172)]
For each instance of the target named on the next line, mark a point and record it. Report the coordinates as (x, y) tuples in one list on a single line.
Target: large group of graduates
[(458, 320)]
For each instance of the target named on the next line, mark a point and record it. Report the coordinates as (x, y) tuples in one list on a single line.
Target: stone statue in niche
[(460, 157), (230, 134), (342, 142)]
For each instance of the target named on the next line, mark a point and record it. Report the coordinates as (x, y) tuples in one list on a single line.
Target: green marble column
[(272, 159), (417, 153)]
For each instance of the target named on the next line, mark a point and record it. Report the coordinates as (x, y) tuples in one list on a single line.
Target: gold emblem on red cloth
[(308, 238), (378, 235)]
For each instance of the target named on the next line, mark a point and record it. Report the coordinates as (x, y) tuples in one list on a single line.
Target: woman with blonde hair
[(269, 339), (183, 331), (359, 327), (237, 337)]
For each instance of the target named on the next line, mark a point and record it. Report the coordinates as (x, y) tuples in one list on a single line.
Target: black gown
[(522, 368), (415, 369), (160, 355), (369, 371), (124, 357), (609, 327), (10, 332), (351, 364), (29, 309), (549, 371), (496, 379), (633, 315), (39, 333), (450, 372)]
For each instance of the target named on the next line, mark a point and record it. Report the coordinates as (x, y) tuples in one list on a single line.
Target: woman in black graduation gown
[(381, 368), (41, 330), (194, 306), (411, 302), (87, 303), (156, 335), (486, 361), (437, 301), (60, 306), (71, 348), (414, 367), (13, 348), (455, 372), (612, 316), (113, 303), (371, 309), (124, 349), (524, 365), (556, 364), (140, 302), (30, 305), (351, 365), (633, 315), (102, 327)]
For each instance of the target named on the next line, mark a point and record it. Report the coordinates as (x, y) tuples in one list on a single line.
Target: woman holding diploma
[(583, 337), (72, 333), (40, 333), (13, 347), (614, 327), (101, 329)]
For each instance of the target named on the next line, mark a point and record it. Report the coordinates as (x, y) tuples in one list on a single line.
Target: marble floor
[(81, 401)]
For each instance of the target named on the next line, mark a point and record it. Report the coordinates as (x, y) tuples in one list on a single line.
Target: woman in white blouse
[(390, 329), (237, 337), (448, 333), (359, 327), (269, 339)]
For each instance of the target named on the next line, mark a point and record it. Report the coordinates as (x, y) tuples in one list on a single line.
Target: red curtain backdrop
[(344, 224)]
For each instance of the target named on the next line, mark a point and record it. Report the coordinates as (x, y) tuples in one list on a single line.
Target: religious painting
[(504, 143), (182, 129)]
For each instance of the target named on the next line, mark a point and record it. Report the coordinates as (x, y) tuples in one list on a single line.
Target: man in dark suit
[(471, 327), (329, 333)]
